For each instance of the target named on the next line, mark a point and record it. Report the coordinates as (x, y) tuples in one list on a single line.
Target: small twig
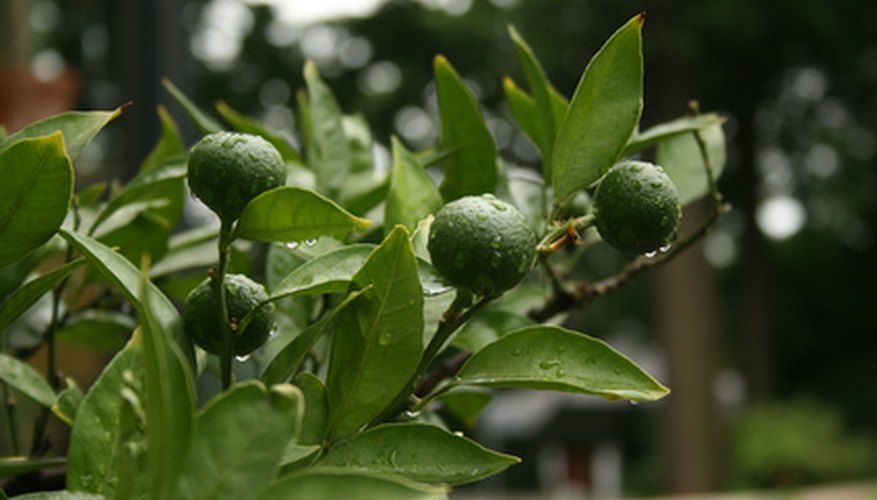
[(446, 370), (217, 280)]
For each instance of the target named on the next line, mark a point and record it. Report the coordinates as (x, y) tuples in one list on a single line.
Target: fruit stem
[(217, 281), (560, 235)]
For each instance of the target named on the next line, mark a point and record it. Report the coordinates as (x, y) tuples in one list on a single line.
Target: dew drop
[(273, 332), (292, 245), (481, 216), (633, 403), (499, 206), (516, 352), (412, 414), (549, 363), (458, 433), (310, 242), (617, 371), (560, 373), (651, 254), (666, 248), (496, 243), (243, 359)]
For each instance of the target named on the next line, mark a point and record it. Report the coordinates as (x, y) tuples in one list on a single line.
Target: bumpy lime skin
[(637, 208), (228, 169), (481, 244), (242, 295)]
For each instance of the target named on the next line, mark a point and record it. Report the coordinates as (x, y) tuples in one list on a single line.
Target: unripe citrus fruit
[(481, 244), (637, 208), (242, 295), (228, 169)]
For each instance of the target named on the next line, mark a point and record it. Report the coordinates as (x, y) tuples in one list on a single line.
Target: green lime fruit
[(481, 244), (228, 169), (637, 208), (202, 317)]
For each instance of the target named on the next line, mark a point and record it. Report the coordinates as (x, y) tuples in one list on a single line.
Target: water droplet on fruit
[(651, 254), (633, 403), (273, 332), (499, 206), (292, 245), (242, 359), (481, 216), (666, 248), (310, 242), (496, 242), (489, 195)]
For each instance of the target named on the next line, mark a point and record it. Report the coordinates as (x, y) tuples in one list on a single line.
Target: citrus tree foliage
[(368, 340)]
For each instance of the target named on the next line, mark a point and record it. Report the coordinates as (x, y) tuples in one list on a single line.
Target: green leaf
[(412, 194), (97, 330), (329, 484), (378, 339), (92, 460), (291, 213), (298, 456), (466, 405), (328, 273), (77, 127), (316, 414), (60, 495), (68, 402), (525, 113), (35, 194), (126, 278), (603, 114), (682, 160), (248, 125), (290, 357), (170, 392), (158, 191), (471, 168), (169, 144), (420, 452), (28, 294), (238, 441), (22, 377), (547, 115), (90, 196), (654, 135), (202, 120), (14, 466), (329, 154), (552, 358)]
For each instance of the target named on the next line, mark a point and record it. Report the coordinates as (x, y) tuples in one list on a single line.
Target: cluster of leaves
[(371, 346)]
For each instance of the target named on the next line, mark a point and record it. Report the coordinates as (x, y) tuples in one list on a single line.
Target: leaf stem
[(565, 233), (11, 419), (217, 281), (453, 318)]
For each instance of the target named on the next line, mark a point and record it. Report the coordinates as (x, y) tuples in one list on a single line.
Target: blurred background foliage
[(773, 307)]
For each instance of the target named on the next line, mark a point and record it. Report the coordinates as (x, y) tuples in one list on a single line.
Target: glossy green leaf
[(525, 113), (294, 214), (158, 191), (329, 155), (682, 160), (421, 452), (24, 378), (470, 169), (35, 194), (378, 339), (170, 392), (663, 131), (412, 194), (60, 495), (239, 440), (92, 460), (204, 122), (328, 273), (603, 114), (67, 403), (489, 325), (13, 466), (547, 116), (26, 295), (342, 483), (199, 256), (77, 127), (248, 125), (552, 358), (96, 329), (316, 414), (466, 405), (121, 273), (298, 456), (169, 144), (91, 195), (290, 357)]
